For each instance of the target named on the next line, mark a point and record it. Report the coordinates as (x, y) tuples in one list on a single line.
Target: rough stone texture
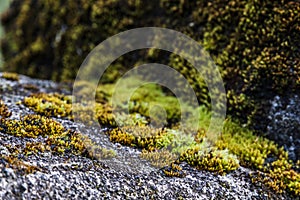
[(124, 177), (285, 124)]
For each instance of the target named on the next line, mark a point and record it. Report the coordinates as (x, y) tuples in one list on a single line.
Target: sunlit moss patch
[(159, 158), (49, 104), (142, 137), (220, 161), (10, 76), (31, 126), (254, 151)]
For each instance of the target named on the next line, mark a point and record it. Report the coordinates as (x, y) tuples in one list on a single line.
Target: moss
[(159, 158), (20, 166), (57, 139), (49, 104), (58, 105), (174, 170), (211, 159), (142, 137), (10, 76), (255, 152), (4, 112), (247, 40), (31, 126), (76, 143), (105, 116), (252, 150)]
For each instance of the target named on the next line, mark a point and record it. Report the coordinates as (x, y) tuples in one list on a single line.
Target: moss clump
[(142, 137), (49, 104), (173, 170), (251, 150), (143, 100), (159, 158), (57, 138), (105, 116), (58, 105), (4, 112), (280, 176), (262, 154), (10, 76), (31, 126), (220, 161), (76, 143)]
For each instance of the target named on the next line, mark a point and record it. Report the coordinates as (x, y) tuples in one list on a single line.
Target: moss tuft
[(49, 104), (10, 76), (4, 112), (211, 159), (159, 158)]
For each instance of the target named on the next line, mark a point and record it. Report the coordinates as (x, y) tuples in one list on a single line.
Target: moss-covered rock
[(256, 44)]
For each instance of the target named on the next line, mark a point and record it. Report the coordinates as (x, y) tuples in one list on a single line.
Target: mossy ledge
[(163, 146)]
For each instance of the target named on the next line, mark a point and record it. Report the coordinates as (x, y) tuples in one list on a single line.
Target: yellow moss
[(31, 126), (252, 152), (10, 76), (76, 143), (4, 112), (105, 116), (220, 161), (159, 158), (137, 136), (49, 104)]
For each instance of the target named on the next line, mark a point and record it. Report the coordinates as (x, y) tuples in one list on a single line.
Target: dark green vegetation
[(255, 44)]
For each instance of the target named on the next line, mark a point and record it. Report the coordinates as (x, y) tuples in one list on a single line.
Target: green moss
[(142, 137), (10, 76), (253, 151)]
